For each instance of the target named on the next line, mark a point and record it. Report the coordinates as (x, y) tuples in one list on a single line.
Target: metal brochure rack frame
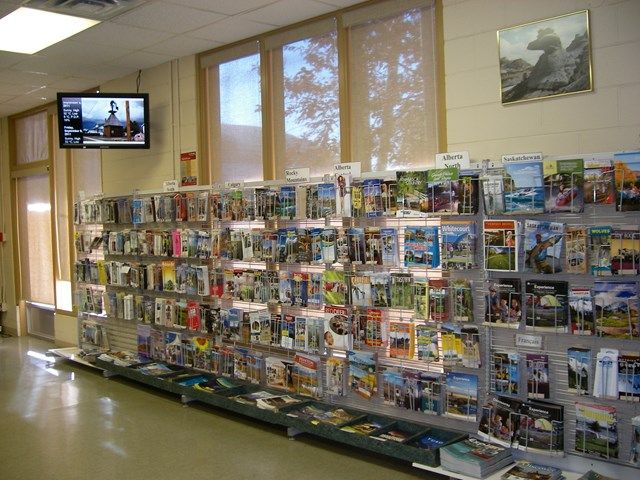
[(122, 333)]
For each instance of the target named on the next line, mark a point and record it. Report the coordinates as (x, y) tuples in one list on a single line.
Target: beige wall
[(173, 116), (605, 120), (8, 318), (66, 330)]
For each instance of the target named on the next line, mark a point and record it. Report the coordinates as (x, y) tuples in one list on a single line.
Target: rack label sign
[(234, 185), (296, 175), (528, 341), (352, 168), (170, 186), (453, 159), (522, 157)]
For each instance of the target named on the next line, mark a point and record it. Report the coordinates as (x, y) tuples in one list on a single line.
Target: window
[(356, 85), (34, 236), (392, 88), (306, 86), (236, 119), (32, 138)]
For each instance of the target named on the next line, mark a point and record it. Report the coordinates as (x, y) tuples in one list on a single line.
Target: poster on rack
[(188, 169)]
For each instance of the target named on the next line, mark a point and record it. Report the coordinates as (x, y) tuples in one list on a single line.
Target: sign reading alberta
[(522, 157), (296, 175), (528, 341), (352, 168), (453, 159)]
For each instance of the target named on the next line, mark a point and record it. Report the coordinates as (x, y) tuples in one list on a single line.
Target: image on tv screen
[(103, 121)]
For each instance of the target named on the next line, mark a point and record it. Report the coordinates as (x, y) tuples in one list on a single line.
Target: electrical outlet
[(3, 307)]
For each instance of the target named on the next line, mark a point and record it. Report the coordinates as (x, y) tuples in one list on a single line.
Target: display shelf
[(73, 354), (495, 476)]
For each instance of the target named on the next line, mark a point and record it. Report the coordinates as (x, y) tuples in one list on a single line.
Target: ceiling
[(151, 33)]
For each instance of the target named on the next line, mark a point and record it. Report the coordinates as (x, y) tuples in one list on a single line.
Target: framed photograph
[(546, 58)]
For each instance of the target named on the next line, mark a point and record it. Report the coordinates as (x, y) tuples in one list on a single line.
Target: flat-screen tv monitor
[(103, 120)]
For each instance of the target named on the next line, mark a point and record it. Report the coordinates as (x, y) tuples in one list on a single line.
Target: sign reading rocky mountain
[(545, 58)]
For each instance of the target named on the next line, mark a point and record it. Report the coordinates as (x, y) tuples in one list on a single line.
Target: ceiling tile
[(78, 50), (140, 60), (168, 18), (8, 59), (227, 7), (286, 12), (231, 30), (181, 46), (28, 78), (120, 36), (74, 84), (16, 89)]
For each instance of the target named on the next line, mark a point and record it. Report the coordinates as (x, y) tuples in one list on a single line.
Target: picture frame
[(545, 58)]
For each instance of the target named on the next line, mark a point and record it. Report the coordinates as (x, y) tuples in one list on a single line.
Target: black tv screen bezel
[(98, 146)]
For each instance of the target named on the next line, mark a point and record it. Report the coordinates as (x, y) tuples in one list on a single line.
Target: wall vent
[(95, 9)]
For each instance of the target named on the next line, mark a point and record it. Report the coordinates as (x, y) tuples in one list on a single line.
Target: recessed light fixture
[(27, 30)]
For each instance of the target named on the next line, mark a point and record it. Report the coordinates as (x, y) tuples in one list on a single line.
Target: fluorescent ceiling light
[(27, 30)]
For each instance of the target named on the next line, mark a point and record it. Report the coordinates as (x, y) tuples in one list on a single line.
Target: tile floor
[(67, 422)]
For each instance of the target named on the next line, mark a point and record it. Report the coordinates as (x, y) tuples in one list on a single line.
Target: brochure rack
[(407, 382)]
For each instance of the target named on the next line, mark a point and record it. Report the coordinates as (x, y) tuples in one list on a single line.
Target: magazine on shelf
[(337, 328), (343, 195), (392, 386), (579, 370), (634, 458), (629, 377), (625, 250), (372, 191), (438, 295), (279, 372), (461, 395), (357, 199), (335, 376), (627, 176), (542, 427), (389, 241), (143, 335), (581, 311), (328, 243), (335, 287), (342, 246), (380, 289), (576, 254), (600, 250), (315, 294), (411, 188), (361, 290), (501, 245), (543, 246), (506, 371), (493, 194), (443, 187), (300, 289), (373, 327), (599, 181), (356, 240), (401, 290), (451, 343), (326, 200), (362, 373), (526, 470), (470, 336), (458, 245), (616, 309), (389, 194), (304, 374), (500, 421), (473, 457), (537, 375), (523, 187), (564, 185), (421, 247), (547, 305), (372, 246), (467, 193), (462, 298), (365, 427), (421, 298), (173, 348), (596, 430), (427, 343), (401, 339)]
